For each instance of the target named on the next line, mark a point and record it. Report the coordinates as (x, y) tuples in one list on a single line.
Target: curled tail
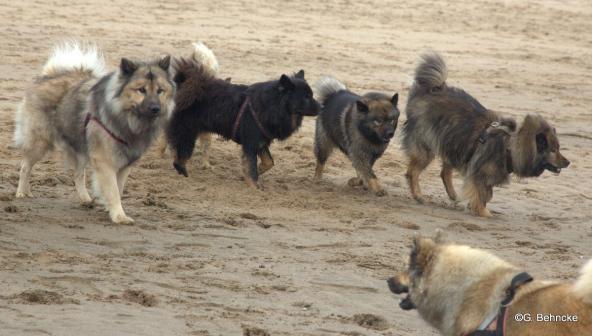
[(583, 286), (75, 56), (205, 56), (327, 86), (431, 73)]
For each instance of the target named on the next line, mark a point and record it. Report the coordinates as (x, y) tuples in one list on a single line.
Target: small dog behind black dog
[(360, 126), (250, 115)]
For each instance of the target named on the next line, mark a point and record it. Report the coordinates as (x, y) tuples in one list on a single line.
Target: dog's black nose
[(154, 109)]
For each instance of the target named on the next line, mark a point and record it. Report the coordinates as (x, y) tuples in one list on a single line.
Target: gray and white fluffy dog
[(107, 120)]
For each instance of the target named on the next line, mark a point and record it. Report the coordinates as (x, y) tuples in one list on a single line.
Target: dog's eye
[(377, 122), (159, 91), (142, 90)]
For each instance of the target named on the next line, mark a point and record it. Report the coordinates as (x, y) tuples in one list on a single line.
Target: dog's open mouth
[(552, 168), (406, 303), (397, 288)]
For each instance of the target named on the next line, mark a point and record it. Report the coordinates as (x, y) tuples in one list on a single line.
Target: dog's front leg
[(249, 163), (478, 194), (446, 175), (106, 182), (266, 160), (122, 178), (364, 169)]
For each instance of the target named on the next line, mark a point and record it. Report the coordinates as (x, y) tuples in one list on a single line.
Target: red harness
[(247, 103), (90, 117)]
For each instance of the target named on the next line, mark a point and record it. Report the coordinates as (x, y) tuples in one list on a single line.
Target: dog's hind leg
[(323, 148), (249, 163), (266, 160), (417, 164), (79, 165), (446, 175), (205, 140), (32, 152), (163, 146)]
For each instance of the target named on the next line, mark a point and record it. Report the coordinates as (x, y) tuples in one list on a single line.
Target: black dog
[(252, 116)]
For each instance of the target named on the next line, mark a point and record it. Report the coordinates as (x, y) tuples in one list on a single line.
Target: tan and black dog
[(463, 291), (485, 148), (360, 126), (106, 119)]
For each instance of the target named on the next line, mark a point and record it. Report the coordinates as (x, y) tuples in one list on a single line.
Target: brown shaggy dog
[(458, 290), (447, 122)]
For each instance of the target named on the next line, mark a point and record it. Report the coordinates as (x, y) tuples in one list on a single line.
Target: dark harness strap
[(247, 104), (500, 328), (90, 117)]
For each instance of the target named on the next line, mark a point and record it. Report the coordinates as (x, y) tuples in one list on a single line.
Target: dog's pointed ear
[(421, 254), (509, 123), (128, 67), (300, 74), (165, 62), (362, 107), (286, 83), (439, 236), (395, 99)]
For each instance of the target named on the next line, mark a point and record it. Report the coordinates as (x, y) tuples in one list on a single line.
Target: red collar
[(247, 103), (90, 117), (497, 327)]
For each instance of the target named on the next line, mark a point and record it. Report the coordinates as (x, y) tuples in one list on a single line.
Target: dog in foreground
[(250, 115), (360, 126), (107, 120), (447, 122), (462, 291)]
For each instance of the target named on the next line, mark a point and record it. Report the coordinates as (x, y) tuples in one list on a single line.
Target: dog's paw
[(20, 194), (419, 199), (89, 204), (380, 193), (205, 165), (355, 182), (485, 213), (180, 169), (122, 219)]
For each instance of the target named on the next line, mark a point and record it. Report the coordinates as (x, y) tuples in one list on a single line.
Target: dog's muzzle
[(406, 303)]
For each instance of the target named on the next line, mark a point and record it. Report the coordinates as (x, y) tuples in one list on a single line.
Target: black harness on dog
[(495, 124), (499, 320), (247, 104)]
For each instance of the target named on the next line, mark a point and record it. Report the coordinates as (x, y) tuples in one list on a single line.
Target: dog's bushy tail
[(75, 56), (583, 286), (205, 56), (431, 72), (327, 86)]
